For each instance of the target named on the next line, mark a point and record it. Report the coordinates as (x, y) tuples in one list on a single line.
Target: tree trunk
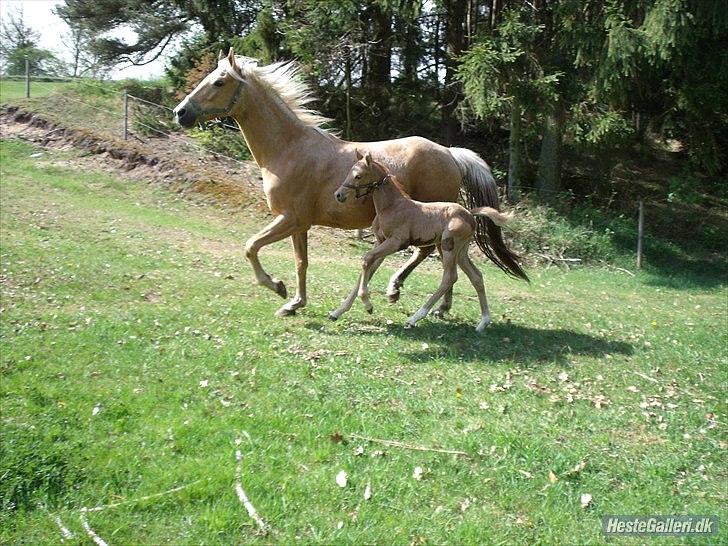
[(515, 154), (455, 42), (380, 50), (411, 52), (347, 75), (549, 160)]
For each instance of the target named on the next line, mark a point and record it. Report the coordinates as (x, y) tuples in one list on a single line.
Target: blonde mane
[(285, 81)]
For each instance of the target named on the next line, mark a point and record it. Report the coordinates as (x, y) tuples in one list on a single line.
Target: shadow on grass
[(524, 345)]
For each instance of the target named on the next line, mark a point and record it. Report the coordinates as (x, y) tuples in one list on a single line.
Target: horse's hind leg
[(300, 250), (449, 276), (397, 280), (476, 279), (280, 228)]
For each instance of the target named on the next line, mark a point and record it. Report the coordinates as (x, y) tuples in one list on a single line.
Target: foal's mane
[(285, 82), (393, 179)]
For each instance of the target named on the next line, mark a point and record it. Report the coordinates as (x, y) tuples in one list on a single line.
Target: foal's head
[(364, 177), (215, 96)]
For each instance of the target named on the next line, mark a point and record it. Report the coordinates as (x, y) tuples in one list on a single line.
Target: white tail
[(499, 218)]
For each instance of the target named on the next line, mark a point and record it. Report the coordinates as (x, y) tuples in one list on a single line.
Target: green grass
[(13, 89), (120, 297)]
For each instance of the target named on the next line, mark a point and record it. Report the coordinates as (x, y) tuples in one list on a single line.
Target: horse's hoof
[(285, 312), (408, 325), (333, 317), (393, 297), (280, 289), (369, 309), (440, 313)]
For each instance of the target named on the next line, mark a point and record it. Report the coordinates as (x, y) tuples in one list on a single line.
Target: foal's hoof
[(285, 312), (280, 288), (393, 297), (440, 313), (333, 317), (369, 309), (408, 325)]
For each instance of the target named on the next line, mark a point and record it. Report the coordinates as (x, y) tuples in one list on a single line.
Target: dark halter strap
[(366, 189), (219, 112)]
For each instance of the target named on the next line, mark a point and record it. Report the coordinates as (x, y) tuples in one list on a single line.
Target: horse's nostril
[(181, 112)]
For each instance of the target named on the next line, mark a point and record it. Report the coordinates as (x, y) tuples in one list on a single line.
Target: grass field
[(13, 89), (138, 357)]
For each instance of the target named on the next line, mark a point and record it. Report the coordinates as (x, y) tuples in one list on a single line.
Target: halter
[(368, 188), (224, 111)]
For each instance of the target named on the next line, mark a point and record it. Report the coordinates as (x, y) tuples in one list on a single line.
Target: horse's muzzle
[(341, 195), (185, 114)]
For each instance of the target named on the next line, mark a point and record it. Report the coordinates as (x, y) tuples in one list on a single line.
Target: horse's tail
[(479, 189)]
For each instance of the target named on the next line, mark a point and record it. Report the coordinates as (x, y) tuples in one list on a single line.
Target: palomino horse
[(401, 222), (303, 164)]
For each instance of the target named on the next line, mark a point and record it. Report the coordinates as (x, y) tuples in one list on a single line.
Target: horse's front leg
[(300, 250), (280, 228), (397, 280)]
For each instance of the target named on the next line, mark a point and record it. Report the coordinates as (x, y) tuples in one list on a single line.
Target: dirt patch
[(175, 163)]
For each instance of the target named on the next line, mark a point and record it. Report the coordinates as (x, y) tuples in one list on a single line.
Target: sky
[(38, 14)]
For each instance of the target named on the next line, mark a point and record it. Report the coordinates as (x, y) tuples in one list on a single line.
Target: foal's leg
[(349, 301), (476, 279), (280, 228), (371, 262), (446, 304), (397, 280), (449, 276), (300, 250)]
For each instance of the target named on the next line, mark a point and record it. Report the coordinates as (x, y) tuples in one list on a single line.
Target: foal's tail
[(499, 218), (478, 190)]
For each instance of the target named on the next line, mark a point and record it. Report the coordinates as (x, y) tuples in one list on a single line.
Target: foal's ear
[(368, 159), (220, 56), (359, 157)]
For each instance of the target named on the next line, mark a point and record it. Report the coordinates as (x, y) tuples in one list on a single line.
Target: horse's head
[(215, 96), (364, 177)]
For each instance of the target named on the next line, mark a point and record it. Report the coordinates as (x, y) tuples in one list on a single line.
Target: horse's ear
[(368, 159), (231, 58), (220, 56), (359, 157)]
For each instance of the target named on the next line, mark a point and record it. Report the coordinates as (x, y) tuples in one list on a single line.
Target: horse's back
[(426, 169)]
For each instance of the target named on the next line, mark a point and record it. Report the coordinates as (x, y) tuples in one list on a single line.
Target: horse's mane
[(286, 82)]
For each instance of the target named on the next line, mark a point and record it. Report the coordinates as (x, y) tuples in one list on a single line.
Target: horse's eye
[(358, 176), (218, 83)]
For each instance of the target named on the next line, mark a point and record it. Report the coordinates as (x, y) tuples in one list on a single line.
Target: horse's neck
[(268, 125), (388, 196)]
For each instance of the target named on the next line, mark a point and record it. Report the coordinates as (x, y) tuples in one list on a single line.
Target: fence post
[(27, 78), (640, 233), (126, 115)]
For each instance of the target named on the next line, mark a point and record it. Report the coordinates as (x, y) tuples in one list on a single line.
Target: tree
[(19, 42), (155, 24), (84, 62), (454, 46), (501, 75)]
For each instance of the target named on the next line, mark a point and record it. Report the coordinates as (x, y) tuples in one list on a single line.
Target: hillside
[(139, 356)]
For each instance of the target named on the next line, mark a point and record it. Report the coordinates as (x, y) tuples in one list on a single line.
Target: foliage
[(18, 43), (223, 141)]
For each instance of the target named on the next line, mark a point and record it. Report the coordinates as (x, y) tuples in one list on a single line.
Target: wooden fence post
[(27, 78), (126, 115), (640, 233)]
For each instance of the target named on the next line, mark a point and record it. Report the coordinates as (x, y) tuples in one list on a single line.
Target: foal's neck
[(388, 195)]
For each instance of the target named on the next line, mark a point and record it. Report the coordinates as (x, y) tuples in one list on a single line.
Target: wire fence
[(43, 83)]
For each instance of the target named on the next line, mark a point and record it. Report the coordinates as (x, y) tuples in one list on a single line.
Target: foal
[(401, 222)]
